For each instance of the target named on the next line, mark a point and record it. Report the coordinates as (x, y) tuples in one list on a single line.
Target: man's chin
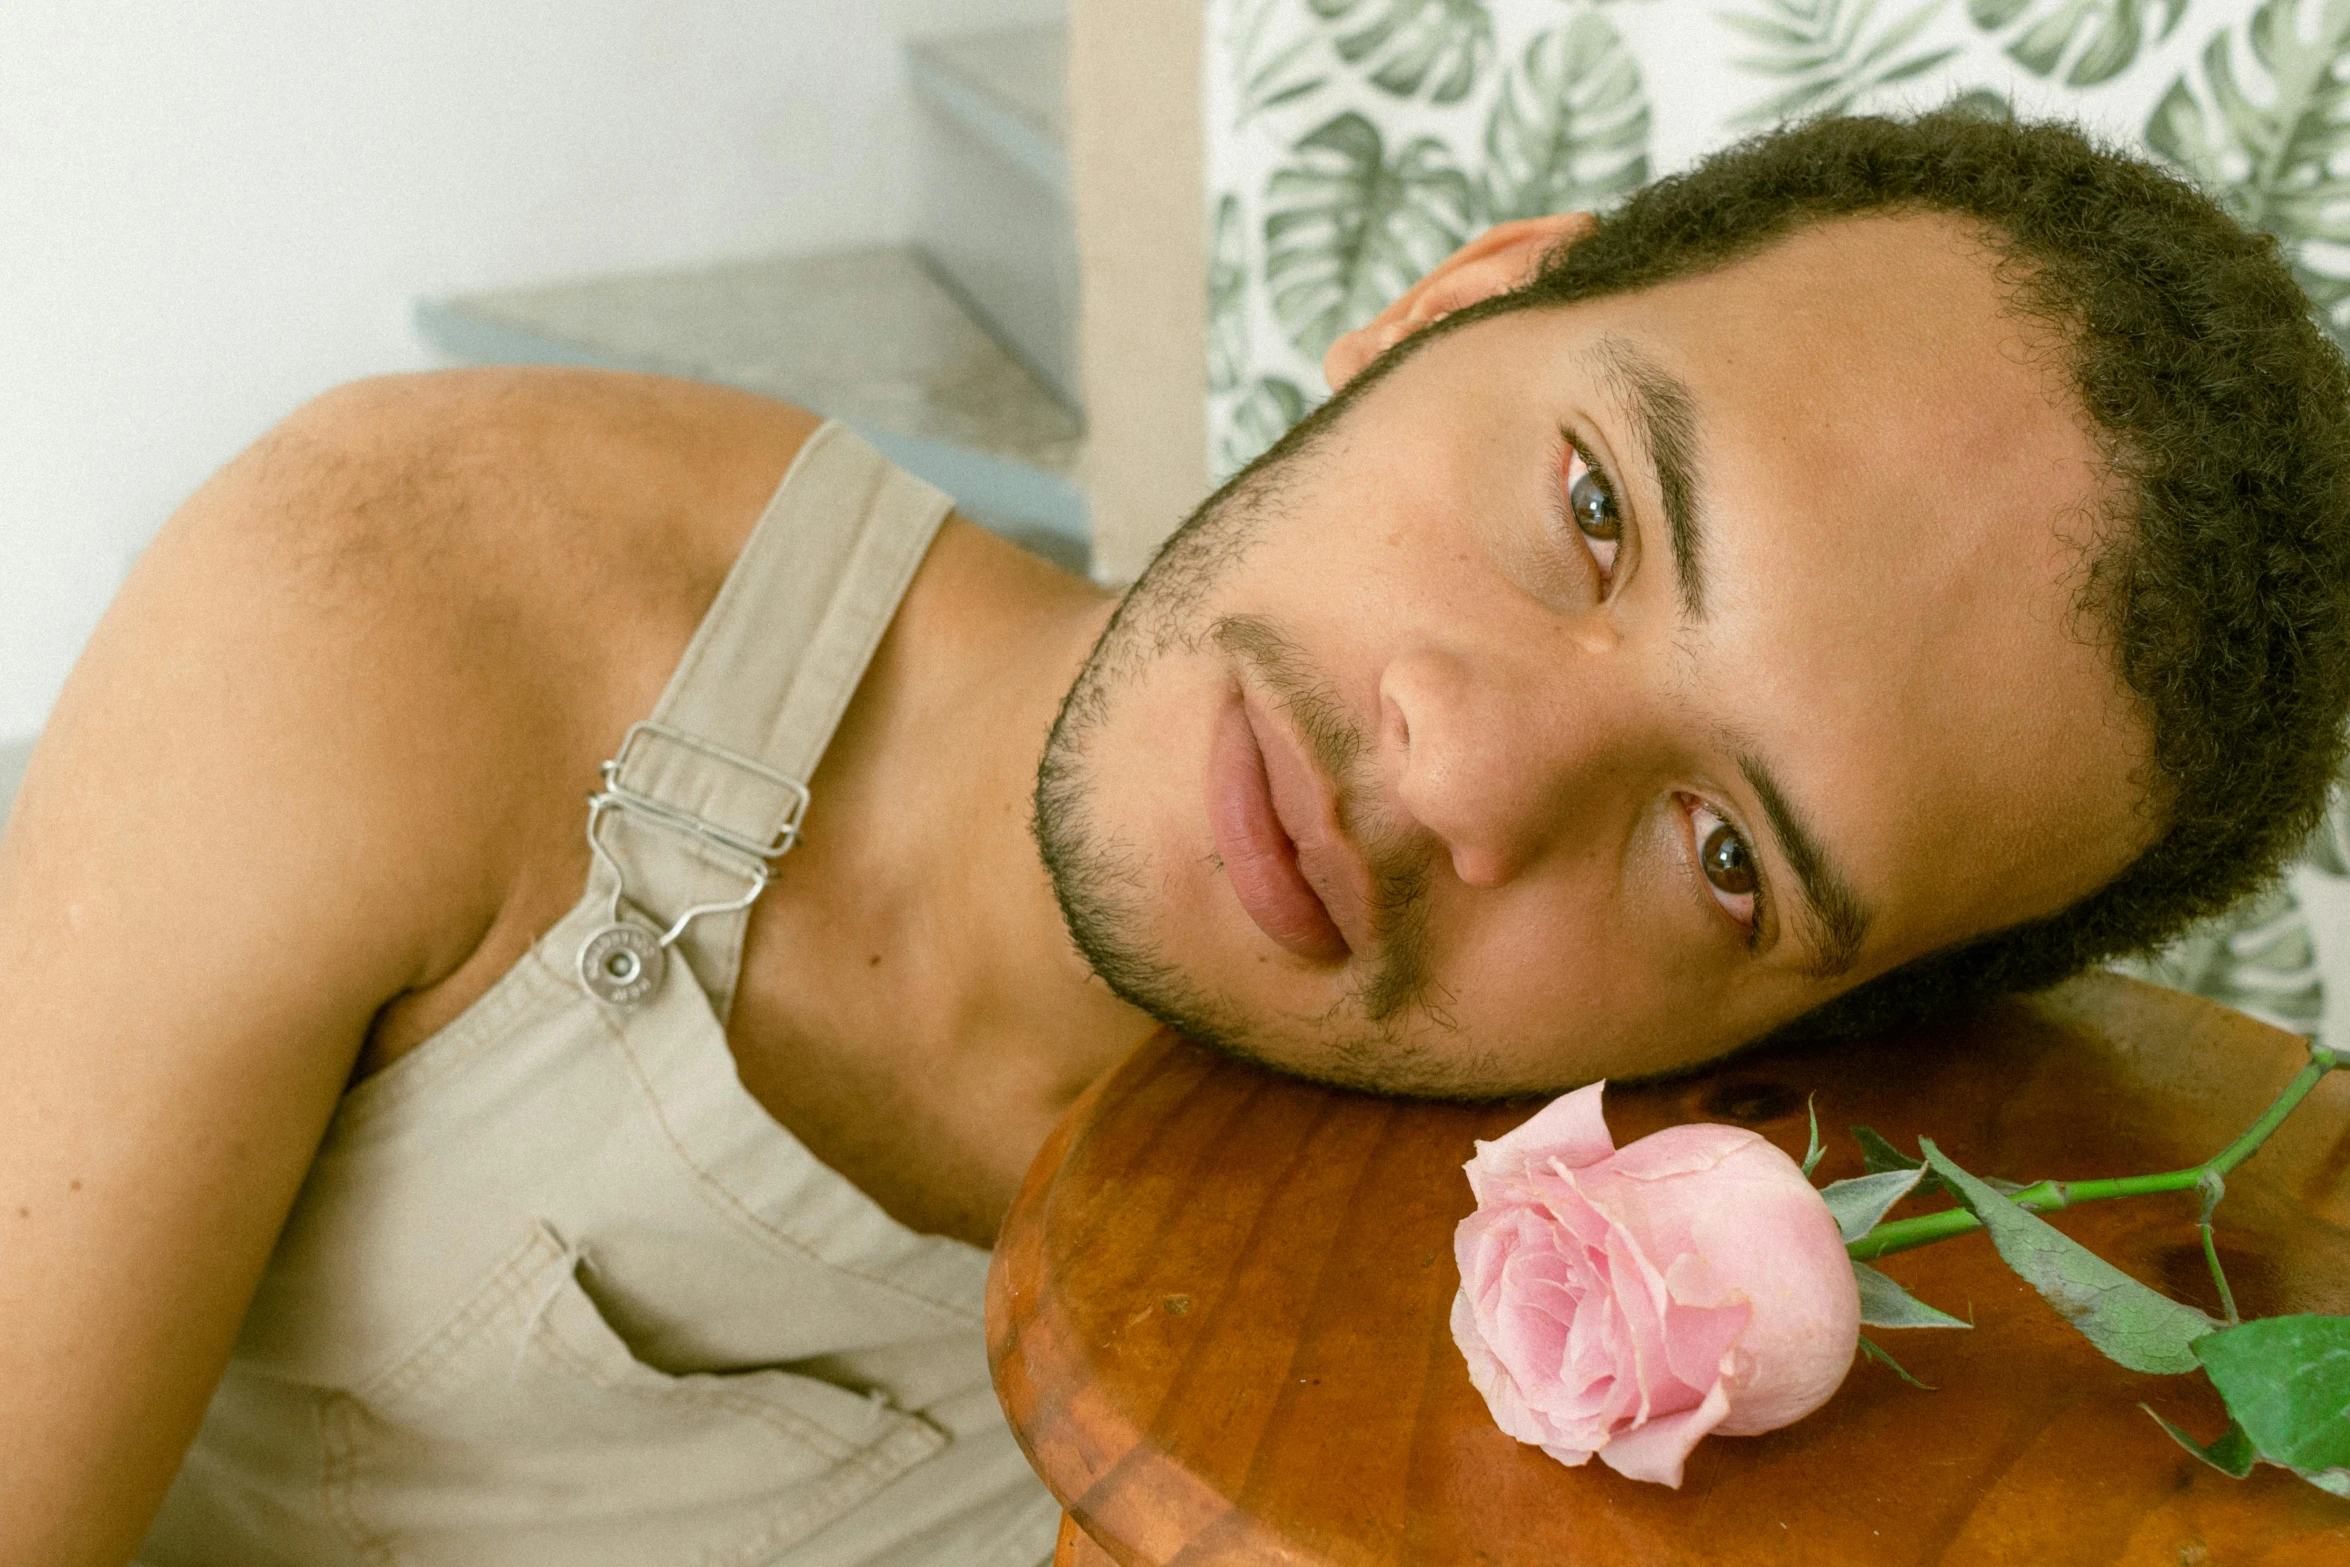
[(1387, 1062)]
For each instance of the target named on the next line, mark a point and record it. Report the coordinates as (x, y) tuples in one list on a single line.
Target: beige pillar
[(1135, 157)]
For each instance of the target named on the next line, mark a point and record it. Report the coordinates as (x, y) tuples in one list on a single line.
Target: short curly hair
[(2223, 580)]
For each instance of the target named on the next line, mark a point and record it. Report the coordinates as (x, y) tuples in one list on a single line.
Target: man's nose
[(1500, 767)]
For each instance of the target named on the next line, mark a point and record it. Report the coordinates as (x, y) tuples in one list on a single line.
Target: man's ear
[(1495, 262)]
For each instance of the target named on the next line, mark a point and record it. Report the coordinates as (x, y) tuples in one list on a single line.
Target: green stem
[(2227, 1297), (2047, 1196)]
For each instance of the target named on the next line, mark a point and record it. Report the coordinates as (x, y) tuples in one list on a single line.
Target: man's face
[(1612, 683)]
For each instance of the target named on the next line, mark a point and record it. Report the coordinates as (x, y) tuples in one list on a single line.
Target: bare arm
[(234, 844), (314, 783)]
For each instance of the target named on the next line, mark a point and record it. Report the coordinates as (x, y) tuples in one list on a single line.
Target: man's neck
[(911, 1005)]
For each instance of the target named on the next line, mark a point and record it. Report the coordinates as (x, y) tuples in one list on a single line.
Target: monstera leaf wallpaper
[(1351, 144)]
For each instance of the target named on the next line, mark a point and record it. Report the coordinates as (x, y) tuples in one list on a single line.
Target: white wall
[(211, 211)]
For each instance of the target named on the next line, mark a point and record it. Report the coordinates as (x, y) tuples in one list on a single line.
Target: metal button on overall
[(622, 964)]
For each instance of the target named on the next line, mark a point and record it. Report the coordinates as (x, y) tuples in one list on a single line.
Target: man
[(1891, 561)]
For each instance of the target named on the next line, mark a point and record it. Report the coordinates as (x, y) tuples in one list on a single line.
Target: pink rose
[(1629, 1302)]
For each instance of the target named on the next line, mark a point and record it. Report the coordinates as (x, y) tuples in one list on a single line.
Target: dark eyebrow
[(1661, 407), (1839, 920)]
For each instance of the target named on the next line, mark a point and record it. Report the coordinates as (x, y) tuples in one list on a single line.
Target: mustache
[(1398, 977)]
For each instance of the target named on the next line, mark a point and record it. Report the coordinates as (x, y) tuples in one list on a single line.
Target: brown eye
[(1593, 509), (1727, 862)]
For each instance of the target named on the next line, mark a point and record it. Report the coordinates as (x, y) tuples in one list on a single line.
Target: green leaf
[(1407, 46), (1272, 66), (1877, 1353), (1569, 128), (2259, 958), (2275, 156), (1227, 298), (1877, 1154), (1861, 1201), (1257, 421), (2130, 1323), (1885, 1304), (2231, 1454), (2336, 1481), (1811, 1148), (1347, 228), (2102, 38), (1830, 53), (2287, 1382)]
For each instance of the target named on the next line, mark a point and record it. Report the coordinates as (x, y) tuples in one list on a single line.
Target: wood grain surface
[(1218, 1316)]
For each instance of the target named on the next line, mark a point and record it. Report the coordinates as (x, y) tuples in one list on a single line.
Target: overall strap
[(706, 794)]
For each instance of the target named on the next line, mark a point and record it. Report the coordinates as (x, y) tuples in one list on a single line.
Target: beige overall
[(558, 1290)]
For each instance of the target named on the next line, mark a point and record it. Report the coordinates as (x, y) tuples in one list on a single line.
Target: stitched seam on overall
[(849, 629), (853, 1472), (409, 1368), (452, 1046), (845, 1487), (723, 1199), (687, 675), (788, 1423), (338, 1417)]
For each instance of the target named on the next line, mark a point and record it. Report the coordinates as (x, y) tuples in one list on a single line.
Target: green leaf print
[(1569, 128), (1409, 46), (1272, 63), (1227, 298), (2258, 958), (1985, 103), (1830, 53), (2329, 846), (2100, 37), (2275, 163), (1258, 420), (1347, 228)]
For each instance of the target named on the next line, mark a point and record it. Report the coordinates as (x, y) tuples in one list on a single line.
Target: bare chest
[(821, 1043), (925, 1130)]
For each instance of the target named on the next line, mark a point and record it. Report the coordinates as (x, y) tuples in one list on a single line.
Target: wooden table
[(1218, 1316)]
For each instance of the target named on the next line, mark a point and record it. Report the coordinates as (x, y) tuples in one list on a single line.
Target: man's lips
[(1276, 830)]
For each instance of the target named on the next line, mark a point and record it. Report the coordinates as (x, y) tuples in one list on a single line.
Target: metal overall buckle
[(622, 962)]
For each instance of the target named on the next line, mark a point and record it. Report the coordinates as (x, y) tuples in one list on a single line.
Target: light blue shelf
[(867, 337)]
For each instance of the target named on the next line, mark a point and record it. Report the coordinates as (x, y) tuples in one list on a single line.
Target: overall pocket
[(525, 1432)]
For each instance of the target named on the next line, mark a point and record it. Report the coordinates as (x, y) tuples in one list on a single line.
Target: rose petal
[(1639, 1290), (1698, 1340), (1502, 1398), (1565, 1194), (1657, 1450), (1681, 1150), (1572, 1457), (1693, 1281), (1768, 1234), (1530, 1318), (1484, 1245), (1569, 1128)]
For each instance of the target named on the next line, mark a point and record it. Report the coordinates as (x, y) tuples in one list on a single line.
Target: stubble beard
[(1375, 1035)]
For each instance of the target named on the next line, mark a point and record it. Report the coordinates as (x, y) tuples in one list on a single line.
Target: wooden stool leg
[(1076, 1548)]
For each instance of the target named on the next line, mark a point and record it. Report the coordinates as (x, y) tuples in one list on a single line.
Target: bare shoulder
[(551, 489), (549, 523), (518, 550), (460, 588)]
